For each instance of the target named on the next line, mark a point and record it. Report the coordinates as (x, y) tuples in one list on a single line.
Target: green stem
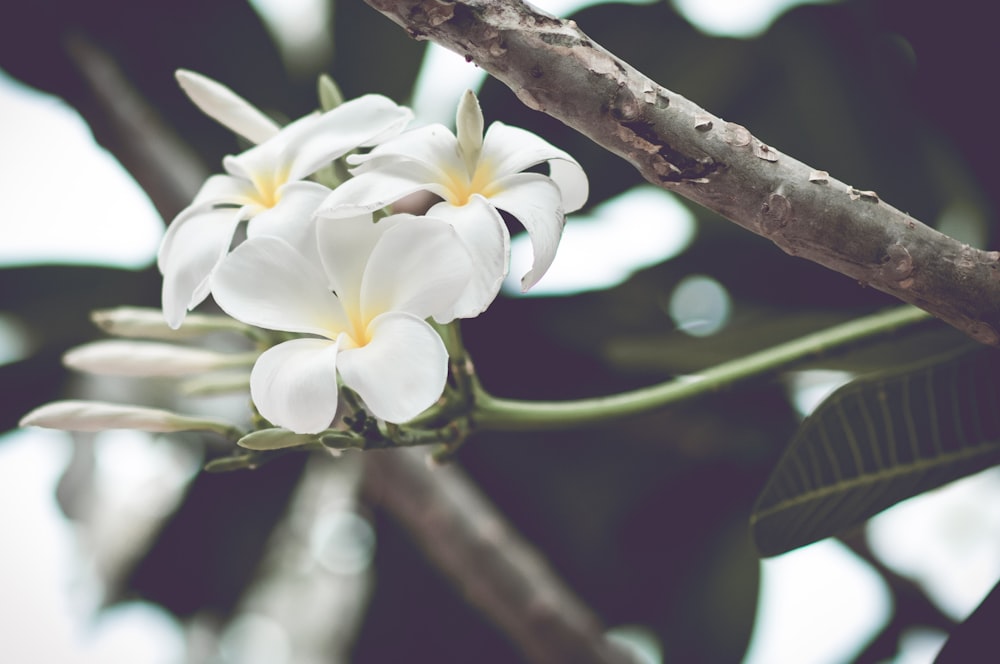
[(498, 414)]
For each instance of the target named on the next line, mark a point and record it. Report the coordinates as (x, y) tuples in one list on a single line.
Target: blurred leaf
[(976, 635), (372, 54), (880, 440)]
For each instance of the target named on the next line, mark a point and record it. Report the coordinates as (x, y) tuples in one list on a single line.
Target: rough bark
[(553, 67)]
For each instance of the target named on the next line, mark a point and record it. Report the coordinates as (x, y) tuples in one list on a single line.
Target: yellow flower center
[(266, 186), (461, 187)]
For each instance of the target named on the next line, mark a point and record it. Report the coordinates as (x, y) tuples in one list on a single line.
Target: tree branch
[(490, 564), (553, 67)]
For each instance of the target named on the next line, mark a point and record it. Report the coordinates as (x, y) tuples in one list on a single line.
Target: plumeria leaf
[(879, 440)]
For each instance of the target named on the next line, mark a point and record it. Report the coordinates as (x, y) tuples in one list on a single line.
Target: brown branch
[(489, 563), (552, 66)]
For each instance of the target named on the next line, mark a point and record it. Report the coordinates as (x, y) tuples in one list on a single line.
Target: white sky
[(67, 201)]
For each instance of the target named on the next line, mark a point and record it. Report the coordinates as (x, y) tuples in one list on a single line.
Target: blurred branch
[(164, 167), (490, 564), (553, 67)]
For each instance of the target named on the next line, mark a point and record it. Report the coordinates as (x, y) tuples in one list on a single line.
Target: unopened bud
[(147, 323), (145, 358), (101, 416)]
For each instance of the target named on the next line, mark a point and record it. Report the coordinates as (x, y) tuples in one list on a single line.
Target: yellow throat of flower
[(266, 186), (461, 187)]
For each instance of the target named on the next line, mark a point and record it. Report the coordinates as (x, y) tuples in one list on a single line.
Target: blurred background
[(117, 549)]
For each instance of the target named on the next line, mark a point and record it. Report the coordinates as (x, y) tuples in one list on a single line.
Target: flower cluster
[(354, 282)]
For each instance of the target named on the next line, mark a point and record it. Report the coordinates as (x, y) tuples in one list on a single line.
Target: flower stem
[(499, 414)]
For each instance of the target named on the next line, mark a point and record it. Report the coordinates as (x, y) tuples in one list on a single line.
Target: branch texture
[(553, 67)]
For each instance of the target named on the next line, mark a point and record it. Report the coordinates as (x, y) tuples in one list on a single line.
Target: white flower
[(263, 184), (475, 176), (386, 278)]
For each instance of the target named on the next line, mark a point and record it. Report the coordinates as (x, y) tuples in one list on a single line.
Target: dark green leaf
[(879, 440)]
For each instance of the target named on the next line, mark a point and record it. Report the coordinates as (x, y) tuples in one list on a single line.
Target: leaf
[(879, 440)]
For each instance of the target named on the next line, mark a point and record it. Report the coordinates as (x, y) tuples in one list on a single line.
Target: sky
[(101, 217)]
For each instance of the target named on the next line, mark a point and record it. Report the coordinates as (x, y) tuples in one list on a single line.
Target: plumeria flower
[(386, 278), (475, 176), (265, 184)]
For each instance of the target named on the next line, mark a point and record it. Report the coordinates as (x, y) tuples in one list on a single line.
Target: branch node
[(775, 214)]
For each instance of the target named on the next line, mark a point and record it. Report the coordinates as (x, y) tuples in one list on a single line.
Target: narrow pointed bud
[(469, 129), (275, 439), (330, 96), (146, 358), (226, 107), (148, 323), (101, 416)]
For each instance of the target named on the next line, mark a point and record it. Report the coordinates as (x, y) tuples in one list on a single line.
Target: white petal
[(292, 218), (401, 372), (223, 190), (512, 150), (359, 122), (344, 246), (226, 107), (534, 200), (294, 384), (433, 147), (420, 266), (485, 236), (379, 188), (192, 247), (265, 282)]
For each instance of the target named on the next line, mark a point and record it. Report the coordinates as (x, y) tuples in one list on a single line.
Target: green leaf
[(879, 440), (275, 439)]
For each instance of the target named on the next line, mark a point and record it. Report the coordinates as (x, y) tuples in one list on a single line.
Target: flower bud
[(74, 415), (143, 358), (146, 323)]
